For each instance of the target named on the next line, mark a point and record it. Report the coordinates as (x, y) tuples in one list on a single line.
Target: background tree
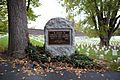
[(77, 25), (90, 32), (101, 15)]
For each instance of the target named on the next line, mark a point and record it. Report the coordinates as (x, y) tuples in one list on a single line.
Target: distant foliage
[(3, 16)]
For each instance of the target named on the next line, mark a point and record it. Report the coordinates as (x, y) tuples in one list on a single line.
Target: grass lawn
[(101, 54), (4, 42)]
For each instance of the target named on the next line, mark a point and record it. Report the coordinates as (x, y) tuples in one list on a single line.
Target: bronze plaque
[(59, 37)]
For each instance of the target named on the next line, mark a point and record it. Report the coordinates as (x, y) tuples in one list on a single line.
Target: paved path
[(8, 73)]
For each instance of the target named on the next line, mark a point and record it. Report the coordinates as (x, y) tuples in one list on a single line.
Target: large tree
[(18, 32), (17, 27), (17, 12), (102, 15)]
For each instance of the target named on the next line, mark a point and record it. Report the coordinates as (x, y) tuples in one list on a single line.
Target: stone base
[(59, 51)]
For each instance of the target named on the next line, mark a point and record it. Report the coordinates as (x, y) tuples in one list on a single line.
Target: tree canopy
[(101, 15), (4, 14)]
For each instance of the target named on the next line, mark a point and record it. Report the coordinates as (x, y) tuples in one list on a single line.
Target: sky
[(49, 9)]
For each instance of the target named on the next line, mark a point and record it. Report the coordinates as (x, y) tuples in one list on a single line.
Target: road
[(8, 73)]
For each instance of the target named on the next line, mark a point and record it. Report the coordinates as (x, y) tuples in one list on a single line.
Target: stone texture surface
[(60, 24)]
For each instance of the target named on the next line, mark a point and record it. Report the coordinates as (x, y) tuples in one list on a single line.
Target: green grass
[(36, 43), (4, 43)]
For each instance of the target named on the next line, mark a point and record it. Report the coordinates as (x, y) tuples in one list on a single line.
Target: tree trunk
[(104, 41), (18, 32)]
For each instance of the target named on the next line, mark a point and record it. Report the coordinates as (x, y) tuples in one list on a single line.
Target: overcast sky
[(49, 9)]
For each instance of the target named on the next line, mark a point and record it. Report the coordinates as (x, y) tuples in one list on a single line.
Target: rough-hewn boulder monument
[(59, 37)]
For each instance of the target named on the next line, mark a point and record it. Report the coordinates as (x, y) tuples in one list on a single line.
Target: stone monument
[(59, 37)]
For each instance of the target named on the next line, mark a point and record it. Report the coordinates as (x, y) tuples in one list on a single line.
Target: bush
[(63, 58), (36, 53), (115, 66), (83, 61), (32, 52)]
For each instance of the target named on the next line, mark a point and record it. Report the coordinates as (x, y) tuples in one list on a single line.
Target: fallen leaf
[(102, 75), (1, 73), (23, 78)]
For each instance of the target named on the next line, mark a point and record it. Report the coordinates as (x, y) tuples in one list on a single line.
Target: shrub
[(36, 53), (115, 66), (32, 52), (83, 61), (63, 58)]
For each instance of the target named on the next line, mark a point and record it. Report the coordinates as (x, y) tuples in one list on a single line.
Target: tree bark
[(104, 41), (18, 32)]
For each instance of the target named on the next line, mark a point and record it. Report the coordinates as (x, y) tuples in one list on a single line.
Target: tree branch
[(98, 13), (109, 11), (101, 8), (116, 26), (115, 20), (95, 23), (114, 13), (28, 5)]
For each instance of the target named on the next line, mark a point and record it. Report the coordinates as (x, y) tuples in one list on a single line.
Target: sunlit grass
[(4, 42), (36, 43), (92, 50)]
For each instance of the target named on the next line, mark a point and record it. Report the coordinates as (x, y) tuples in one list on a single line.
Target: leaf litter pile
[(37, 67), (33, 67)]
